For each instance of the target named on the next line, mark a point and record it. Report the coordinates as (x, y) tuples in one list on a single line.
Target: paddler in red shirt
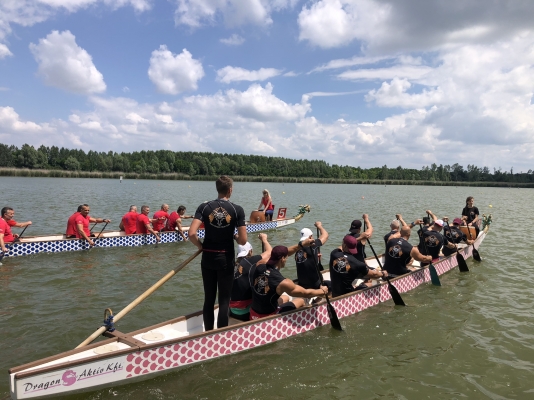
[(174, 222), (6, 236), (160, 217), (8, 215), (78, 224), (143, 223), (129, 221)]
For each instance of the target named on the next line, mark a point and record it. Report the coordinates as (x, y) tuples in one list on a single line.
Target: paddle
[(462, 265), (476, 255), (434, 277), (334, 320), (319, 264), (17, 239), (395, 295), (98, 237), (139, 299), (91, 230)]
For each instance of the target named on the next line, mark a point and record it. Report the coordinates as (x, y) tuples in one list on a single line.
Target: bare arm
[(82, 233), (241, 237), (193, 235), (367, 222), (2, 244), (399, 217), (434, 218), (152, 231), (99, 220), (179, 228), (267, 248), (23, 224), (375, 274), (323, 234), (121, 226), (416, 255), (288, 286)]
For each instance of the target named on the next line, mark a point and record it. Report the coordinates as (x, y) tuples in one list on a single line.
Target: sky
[(353, 82)]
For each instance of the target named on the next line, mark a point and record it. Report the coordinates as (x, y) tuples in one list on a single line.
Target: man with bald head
[(399, 254), (161, 218)]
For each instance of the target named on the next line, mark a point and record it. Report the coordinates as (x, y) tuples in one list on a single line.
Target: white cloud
[(230, 74), (233, 40), (126, 89), (10, 120), (195, 13), (4, 51), (395, 94), (291, 74), (173, 74), (397, 71), (335, 23), (64, 64)]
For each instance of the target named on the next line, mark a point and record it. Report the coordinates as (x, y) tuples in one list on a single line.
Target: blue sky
[(357, 82)]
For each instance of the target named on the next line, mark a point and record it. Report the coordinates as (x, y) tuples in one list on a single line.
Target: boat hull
[(58, 243), (134, 357)]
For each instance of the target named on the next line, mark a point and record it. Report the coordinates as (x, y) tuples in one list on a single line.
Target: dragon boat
[(124, 358), (59, 243)]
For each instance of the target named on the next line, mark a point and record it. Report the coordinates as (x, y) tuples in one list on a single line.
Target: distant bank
[(44, 173)]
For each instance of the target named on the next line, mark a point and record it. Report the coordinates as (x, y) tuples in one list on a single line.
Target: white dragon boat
[(59, 243), (128, 357)]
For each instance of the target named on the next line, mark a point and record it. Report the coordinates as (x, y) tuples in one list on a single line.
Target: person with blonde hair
[(268, 206)]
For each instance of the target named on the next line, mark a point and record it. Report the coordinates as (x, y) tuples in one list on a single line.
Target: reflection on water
[(470, 338)]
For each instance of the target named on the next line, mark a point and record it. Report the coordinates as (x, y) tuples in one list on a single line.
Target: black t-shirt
[(360, 247), (470, 213), (421, 246), (434, 242), (265, 280), (344, 268), (453, 234), (241, 290), (306, 259), (387, 235), (220, 218), (397, 256)]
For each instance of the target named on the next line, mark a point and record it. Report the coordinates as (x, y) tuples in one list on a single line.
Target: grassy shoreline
[(45, 173)]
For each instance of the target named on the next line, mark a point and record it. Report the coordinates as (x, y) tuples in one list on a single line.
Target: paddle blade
[(334, 320), (476, 255), (395, 295), (434, 277), (462, 265)]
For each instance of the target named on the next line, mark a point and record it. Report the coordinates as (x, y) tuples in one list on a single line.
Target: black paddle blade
[(395, 295), (462, 265), (334, 320), (476, 255), (434, 277)]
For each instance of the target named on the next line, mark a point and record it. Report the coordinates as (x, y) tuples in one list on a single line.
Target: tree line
[(208, 164)]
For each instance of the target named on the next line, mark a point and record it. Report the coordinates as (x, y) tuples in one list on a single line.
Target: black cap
[(355, 226)]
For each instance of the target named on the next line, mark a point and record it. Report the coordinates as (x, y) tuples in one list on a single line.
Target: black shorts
[(217, 261), (287, 306)]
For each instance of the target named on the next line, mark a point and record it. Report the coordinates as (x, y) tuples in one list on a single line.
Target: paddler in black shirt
[(434, 241), (345, 268), (307, 258), (454, 235), (220, 218), (399, 254), (268, 286), (356, 231), (242, 289)]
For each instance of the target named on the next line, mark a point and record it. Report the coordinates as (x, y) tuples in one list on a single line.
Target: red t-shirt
[(11, 222), (171, 221), (160, 223), (75, 219), (265, 201), (142, 221), (6, 230), (129, 221)]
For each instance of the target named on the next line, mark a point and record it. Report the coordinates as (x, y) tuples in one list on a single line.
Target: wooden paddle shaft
[(137, 301)]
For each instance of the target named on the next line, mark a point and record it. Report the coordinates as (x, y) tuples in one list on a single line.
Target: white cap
[(439, 222), (305, 233), (243, 250)]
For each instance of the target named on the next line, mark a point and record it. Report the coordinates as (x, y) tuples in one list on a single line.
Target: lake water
[(471, 338)]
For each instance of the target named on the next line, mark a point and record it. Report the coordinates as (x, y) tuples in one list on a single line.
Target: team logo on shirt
[(341, 265), (300, 256), (219, 218), (432, 241), (238, 270), (395, 251), (261, 284), (452, 235)]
